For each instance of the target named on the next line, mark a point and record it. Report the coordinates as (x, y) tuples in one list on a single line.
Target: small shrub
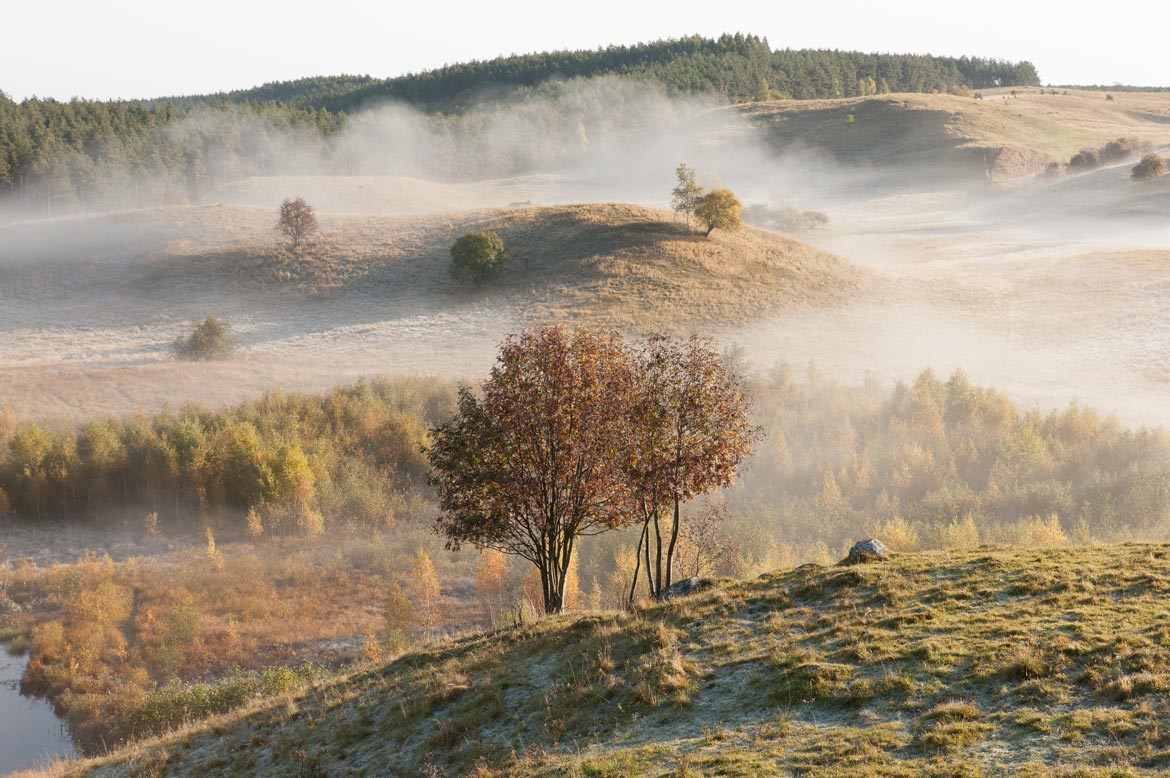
[(783, 218), (477, 257), (1084, 160), (1152, 166), (210, 340)]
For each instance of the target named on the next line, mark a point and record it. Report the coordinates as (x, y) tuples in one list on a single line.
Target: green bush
[(210, 340), (172, 706), (477, 257)]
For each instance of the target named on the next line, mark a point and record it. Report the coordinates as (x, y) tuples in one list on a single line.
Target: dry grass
[(97, 301), (1009, 133), (622, 265), (907, 668)]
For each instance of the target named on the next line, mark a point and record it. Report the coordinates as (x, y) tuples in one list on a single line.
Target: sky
[(147, 48)]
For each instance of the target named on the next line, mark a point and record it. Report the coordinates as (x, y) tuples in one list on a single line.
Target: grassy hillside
[(1038, 663), (610, 263), (1008, 133)]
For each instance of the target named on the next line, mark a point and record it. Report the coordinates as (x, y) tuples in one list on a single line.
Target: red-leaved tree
[(537, 461), (688, 433), (298, 220)]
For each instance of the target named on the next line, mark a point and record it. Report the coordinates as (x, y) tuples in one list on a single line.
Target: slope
[(615, 264), (1006, 134), (974, 662)]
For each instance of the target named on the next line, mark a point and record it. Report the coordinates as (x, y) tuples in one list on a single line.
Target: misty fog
[(1050, 290)]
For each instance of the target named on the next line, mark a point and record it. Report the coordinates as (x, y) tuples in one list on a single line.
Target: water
[(30, 733)]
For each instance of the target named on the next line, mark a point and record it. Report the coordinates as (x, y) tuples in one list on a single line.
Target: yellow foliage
[(958, 534), (491, 584), (426, 593), (1036, 531), (899, 535)]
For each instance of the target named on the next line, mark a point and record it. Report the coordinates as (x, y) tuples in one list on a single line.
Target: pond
[(30, 733)]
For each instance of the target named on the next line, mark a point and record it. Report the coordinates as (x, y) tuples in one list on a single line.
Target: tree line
[(283, 463), (742, 68), (931, 463), (84, 151)]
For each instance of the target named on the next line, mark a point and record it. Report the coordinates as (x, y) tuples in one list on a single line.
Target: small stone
[(683, 588), (871, 550)]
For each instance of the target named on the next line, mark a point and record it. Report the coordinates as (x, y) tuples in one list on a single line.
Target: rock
[(683, 588), (871, 550)]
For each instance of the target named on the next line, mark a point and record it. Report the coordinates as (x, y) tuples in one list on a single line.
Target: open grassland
[(96, 302), (983, 662), (1007, 134)]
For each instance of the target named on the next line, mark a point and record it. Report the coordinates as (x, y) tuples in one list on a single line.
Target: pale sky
[(141, 48)]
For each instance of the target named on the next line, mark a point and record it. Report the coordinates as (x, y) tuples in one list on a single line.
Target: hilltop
[(986, 661), (738, 67)]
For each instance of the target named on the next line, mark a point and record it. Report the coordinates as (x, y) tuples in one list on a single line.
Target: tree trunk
[(637, 563), (670, 549), (657, 556), (649, 570)]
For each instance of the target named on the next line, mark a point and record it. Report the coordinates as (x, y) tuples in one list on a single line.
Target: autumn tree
[(398, 614), (491, 584), (688, 433), (686, 194), (719, 210), (477, 257), (535, 463), (425, 592), (298, 220)]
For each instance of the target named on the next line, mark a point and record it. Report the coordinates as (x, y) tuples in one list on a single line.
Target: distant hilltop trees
[(63, 154), (743, 68)]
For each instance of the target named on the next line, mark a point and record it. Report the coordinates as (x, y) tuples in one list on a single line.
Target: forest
[(56, 154)]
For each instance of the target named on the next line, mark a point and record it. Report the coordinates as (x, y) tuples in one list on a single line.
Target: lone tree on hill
[(210, 340), (719, 210), (298, 220), (1152, 166), (477, 256), (537, 462), (689, 432), (684, 196)]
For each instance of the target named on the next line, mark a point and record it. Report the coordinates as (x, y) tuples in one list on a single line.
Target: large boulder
[(683, 588), (871, 550)]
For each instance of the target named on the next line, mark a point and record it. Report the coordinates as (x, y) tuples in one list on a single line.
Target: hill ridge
[(938, 663)]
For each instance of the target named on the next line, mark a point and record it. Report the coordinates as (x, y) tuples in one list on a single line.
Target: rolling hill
[(95, 302), (1009, 133), (980, 662), (621, 265)]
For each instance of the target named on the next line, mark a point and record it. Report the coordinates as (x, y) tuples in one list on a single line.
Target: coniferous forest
[(75, 153)]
